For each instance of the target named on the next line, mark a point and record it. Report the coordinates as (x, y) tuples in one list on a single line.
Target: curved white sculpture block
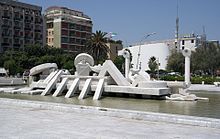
[(40, 68), (84, 58)]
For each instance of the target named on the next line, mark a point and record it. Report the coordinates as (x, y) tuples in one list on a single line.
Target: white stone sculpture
[(108, 79), (126, 55), (187, 97), (82, 63), (187, 54), (43, 67)]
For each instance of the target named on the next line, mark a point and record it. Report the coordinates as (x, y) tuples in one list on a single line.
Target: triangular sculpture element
[(109, 67)]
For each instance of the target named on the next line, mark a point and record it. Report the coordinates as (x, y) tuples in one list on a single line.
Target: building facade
[(67, 29), (21, 24), (142, 53), (161, 50), (191, 41), (114, 48)]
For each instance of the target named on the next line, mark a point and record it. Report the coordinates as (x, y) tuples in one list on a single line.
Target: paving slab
[(30, 123)]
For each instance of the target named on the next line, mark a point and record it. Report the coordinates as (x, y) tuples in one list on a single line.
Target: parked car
[(174, 73)]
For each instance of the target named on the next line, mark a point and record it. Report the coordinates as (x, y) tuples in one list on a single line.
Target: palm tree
[(96, 46)]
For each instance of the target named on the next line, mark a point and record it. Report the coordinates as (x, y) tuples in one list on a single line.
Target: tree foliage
[(96, 46), (120, 63), (152, 64), (176, 62), (18, 61), (205, 60)]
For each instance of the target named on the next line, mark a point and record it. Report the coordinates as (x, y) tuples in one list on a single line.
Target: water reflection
[(196, 108)]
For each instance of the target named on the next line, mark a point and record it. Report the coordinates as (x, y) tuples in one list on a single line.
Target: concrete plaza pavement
[(34, 123)]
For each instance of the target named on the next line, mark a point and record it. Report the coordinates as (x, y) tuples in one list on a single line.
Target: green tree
[(11, 66), (176, 62), (96, 46), (152, 64), (206, 58), (119, 63)]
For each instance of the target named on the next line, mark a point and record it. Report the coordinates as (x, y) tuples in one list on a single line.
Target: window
[(78, 34), (83, 35), (65, 32), (65, 46), (64, 25), (183, 42), (78, 41), (64, 40), (72, 40), (72, 26), (192, 41), (72, 33), (78, 27)]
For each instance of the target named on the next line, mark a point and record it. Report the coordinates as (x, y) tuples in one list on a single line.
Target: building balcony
[(16, 18), (6, 14), (6, 34), (28, 27), (38, 20), (18, 25), (5, 44), (38, 36), (6, 23), (28, 41), (38, 28), (38, 42)]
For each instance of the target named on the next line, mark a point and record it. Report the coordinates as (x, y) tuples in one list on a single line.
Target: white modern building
[(159, 49), (141, 53)]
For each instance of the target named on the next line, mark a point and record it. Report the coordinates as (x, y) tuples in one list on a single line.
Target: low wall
[(129, 114), (11, 81)]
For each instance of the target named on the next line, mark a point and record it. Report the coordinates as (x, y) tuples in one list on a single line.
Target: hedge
[(194, 80)]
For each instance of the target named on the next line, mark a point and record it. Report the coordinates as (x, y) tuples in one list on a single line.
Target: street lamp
[(158, 68), (139, 50)]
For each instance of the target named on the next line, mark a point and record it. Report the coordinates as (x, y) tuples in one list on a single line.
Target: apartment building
[(21, 24), (114, 47), (67, 29)]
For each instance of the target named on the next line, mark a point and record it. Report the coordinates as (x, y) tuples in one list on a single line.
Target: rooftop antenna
[(177, 27), (203, 31), (203, 35)]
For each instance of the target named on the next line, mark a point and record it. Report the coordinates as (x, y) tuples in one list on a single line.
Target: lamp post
[(158, 68), (139, 50)]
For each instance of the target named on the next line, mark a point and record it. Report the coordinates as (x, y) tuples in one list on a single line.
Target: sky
[(134, 19)]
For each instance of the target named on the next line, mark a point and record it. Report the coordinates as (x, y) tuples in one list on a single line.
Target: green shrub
[(194, 80), (207, 80), (172, 78)]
